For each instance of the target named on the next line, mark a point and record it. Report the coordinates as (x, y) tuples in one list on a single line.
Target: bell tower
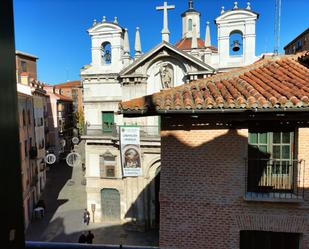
[(236, 33), (190, 18), (107, 46)]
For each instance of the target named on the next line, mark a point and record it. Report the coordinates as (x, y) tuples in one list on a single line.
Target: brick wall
[(202, 191)]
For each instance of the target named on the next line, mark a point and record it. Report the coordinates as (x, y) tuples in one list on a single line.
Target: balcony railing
[(145, 131), (59, 245), (275, 179)]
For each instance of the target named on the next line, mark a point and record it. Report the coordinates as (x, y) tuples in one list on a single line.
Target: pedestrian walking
[(86, 217), (82, 238), (89, 237)]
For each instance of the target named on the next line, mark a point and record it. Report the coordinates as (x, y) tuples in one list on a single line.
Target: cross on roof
[(165, 32)]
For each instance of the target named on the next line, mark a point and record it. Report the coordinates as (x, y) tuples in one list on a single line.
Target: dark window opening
[(268, 240), (23, 66)]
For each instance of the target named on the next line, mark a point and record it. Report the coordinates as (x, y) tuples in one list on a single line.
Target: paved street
[(65, 199)]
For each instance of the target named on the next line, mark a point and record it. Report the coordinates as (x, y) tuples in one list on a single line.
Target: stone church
[(114, 76)]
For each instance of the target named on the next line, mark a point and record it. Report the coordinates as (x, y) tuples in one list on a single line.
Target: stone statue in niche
[(166, 73)]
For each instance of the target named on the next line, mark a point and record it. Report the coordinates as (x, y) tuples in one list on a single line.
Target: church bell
[(236, 46)]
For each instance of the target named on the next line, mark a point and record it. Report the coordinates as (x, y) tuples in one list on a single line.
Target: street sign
[(73, 159), (50, 159), (75, 140)]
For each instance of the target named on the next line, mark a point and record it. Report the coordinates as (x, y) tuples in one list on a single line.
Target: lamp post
[(93, 210)]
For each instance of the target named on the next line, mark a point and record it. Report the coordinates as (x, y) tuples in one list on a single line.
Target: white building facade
[(114, 76)]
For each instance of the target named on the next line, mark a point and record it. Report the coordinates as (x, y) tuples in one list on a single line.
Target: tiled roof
[(271, 83), (62, 97), (185, 44), (69, 84)]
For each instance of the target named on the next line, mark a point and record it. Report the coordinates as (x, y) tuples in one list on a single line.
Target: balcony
[(145, 131), (275, 180), (33, 152)]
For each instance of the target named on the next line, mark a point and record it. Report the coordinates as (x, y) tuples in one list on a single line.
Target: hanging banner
[(130, 150)]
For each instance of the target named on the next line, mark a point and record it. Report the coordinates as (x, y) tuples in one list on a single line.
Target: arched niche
[(156, 77)]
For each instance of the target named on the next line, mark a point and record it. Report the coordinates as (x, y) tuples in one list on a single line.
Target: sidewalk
[(65, 199)]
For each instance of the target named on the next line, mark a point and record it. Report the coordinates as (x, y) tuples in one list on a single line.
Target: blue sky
[(55, 30)]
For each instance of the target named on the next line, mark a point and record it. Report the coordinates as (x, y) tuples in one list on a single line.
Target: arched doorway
[(110, 204)]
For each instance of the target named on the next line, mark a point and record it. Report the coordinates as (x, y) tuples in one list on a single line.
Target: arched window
[(236, 43), (106, 49), (190, 24)]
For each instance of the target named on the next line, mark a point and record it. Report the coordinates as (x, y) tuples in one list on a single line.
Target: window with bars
[(107, 165), (271, 164)]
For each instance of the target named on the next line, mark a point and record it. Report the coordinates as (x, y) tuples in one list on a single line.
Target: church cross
[(165, 32)]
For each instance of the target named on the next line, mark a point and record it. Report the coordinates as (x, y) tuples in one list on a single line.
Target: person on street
[(86, 217), (89, 237), (82, 238)]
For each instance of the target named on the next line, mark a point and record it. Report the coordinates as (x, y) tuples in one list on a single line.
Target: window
[(107, 165), (190, 25), (299, 45), (29, 117), (23, 66), (24, 117), (26, 148), (268, 240), (270, 161), (107, 121)]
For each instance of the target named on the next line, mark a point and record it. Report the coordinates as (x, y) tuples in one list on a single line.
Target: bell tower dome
[(190, 18)]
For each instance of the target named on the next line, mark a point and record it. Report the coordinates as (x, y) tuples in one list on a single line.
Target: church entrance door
[(110, 204)]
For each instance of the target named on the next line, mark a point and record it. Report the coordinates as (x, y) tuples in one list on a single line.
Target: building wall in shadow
[(203, 187)]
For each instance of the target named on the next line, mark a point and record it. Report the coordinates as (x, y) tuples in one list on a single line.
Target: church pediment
[(105, 27), (237, 14), (166, 52)]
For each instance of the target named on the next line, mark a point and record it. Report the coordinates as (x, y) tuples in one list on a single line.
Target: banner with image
[(130, 150)]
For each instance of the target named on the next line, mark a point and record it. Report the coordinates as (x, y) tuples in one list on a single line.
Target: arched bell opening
[(106, 53), (236, 43)]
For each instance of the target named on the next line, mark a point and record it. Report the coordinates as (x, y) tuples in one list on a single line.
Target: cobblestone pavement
[(65, 199)]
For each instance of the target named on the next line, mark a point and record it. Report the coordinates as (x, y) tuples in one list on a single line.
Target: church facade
[(114, 76)]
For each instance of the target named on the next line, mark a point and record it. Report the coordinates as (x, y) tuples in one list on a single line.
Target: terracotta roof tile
[(62, 97), (69, 84), (272, 83), (185, 44)]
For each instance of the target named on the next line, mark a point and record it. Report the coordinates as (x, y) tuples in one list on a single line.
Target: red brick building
[(73, 90), (235, 157)]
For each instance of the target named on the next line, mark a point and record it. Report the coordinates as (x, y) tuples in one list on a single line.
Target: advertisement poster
[(130, 150)]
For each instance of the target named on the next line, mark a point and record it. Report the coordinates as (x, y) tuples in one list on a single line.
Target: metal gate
[(110, 203)]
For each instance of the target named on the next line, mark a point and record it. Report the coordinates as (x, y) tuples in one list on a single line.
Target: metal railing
[(59, 245), (274, 178), (97, 130)]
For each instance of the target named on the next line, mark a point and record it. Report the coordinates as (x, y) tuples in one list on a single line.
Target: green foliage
[(80, 120)]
